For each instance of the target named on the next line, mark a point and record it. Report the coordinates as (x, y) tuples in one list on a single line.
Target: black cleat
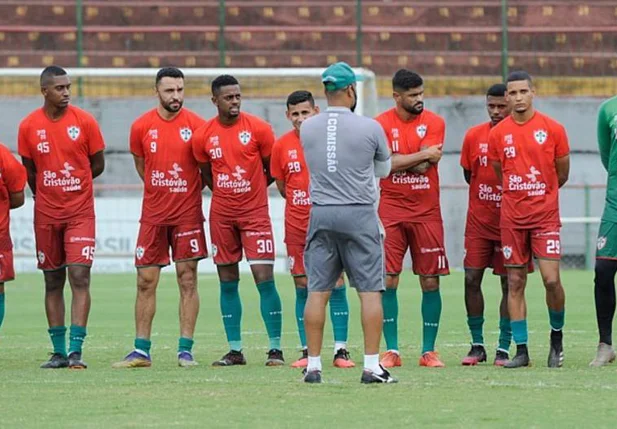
[(369, 377), (555, 355), (501, 358), (56, 361), (476, 355), (275, 358), (233, 357), (520, 360), (312, 376), (75, 361)]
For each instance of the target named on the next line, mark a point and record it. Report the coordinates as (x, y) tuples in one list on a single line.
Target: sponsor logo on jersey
[(244, 137), (63, 179), (236, 181), (533, 185), (483, 147), (293, 154), (508, 139), (421, 130), (540, 136), (300, 198), (73, 132), (175, 183), (154, 134), (186, 134), (507, 252)]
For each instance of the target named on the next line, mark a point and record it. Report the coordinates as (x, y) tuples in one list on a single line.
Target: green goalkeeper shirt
[(607, 143)]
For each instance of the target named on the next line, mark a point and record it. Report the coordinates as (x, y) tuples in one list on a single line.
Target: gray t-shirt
[(339, 148)]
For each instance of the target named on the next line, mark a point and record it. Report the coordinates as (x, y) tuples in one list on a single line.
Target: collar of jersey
[(338, 109)]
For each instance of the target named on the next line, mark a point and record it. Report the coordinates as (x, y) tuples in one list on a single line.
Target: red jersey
[(405, 195), (61, 152), (288, 164), (172, 179), (12, 179), (527, 154), (484, 186), (236, 154)]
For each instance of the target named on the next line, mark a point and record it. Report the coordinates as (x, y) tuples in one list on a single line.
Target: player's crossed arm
[(431, 155)]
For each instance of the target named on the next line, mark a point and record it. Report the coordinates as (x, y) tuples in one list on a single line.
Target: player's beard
[(167, 106), (415, 109)]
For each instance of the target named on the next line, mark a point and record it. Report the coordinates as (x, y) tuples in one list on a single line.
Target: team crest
[(601, 243), (186, 134), (215, 250), (291, 260), (73, 132), (540, 136), (421, 130), (139, 252), (507, 252), (41, 257), (244, 137)]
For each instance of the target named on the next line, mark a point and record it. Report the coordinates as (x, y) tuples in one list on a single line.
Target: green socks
[(231, 311), (339, 313), (271, 312), (476, 323), (390, 318), (431, 313), (519, 331), (185, 344), (301, 297), (58, 339), (1, 308), (143, 345), (557, 319), (77, 335), (505, 334)]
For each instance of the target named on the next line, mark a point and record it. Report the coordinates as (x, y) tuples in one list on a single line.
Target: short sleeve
[(23, 146), (494, 140), (382, 151), (276, 167), (94, 135), (13, 174), (135, 140), (435, 133), (562, 146), (265, 139), (466, 151), (198, 144), (384, 127)]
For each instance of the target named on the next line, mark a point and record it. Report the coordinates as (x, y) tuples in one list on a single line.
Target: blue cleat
[(185, 360)]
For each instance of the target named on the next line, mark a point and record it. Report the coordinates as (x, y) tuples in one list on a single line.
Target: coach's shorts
[(519, 245), (295, 257), (344, 238), (606, 247), (187, 242), (7, 271), (426, 243), (230, 237), (482, 253), (62, 244)]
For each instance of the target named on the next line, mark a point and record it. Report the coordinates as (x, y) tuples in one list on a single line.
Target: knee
[(54, 285), (516, 282), (301, 282), (146, 283), (392, 282), (472, 281), (187, 280), (552, 283), (429, 284), (263, 274)]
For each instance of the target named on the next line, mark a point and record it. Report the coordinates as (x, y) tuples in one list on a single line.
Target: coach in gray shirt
[(344, 152)]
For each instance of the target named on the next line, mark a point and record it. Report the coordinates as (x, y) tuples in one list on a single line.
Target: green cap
[(338, 76)]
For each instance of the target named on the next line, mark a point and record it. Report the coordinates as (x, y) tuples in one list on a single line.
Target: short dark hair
[(51, 72), (168, 72), (221, 81), (298, 97), (404, 80), (519, 75), (497, 90)]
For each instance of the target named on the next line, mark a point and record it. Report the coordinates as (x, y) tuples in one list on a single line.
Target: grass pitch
[(254, 396)]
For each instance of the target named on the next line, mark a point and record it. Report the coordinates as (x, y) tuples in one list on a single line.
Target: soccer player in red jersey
[(234, 149), (12, 184), (61, 147), (410, 211), (171, 215), (289, 168), (530, 152)]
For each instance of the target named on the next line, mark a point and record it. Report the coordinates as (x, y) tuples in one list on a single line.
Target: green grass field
[(255, 396)]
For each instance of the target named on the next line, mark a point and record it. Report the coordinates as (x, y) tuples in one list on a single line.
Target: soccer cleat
[(303, 361), (75, 361), (390, 359), (555, 354), (501, 358), (520, 360), (134, 359), (604, 356), (185, 360), (370, 377), (342, 359), (233, 357), (56, 361), (312, 376), (476, 355), (431, 360), (275, 358)]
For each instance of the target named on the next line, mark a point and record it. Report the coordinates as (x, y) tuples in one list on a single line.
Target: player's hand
[(420, 168), (434, 153)]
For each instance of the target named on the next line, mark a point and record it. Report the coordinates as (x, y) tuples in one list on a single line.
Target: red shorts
[(7, 271), (230, 237), (187, 242), (62, 244), (295, 256), (426, 243), (519, 245), (481, 253)]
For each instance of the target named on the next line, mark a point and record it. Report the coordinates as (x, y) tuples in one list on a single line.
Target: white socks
[(338, 346), (371, 362), (314, 363)]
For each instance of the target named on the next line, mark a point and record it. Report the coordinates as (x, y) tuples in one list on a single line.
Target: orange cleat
[(302, 362), (431, 360), (343, 360), (391, 359)]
